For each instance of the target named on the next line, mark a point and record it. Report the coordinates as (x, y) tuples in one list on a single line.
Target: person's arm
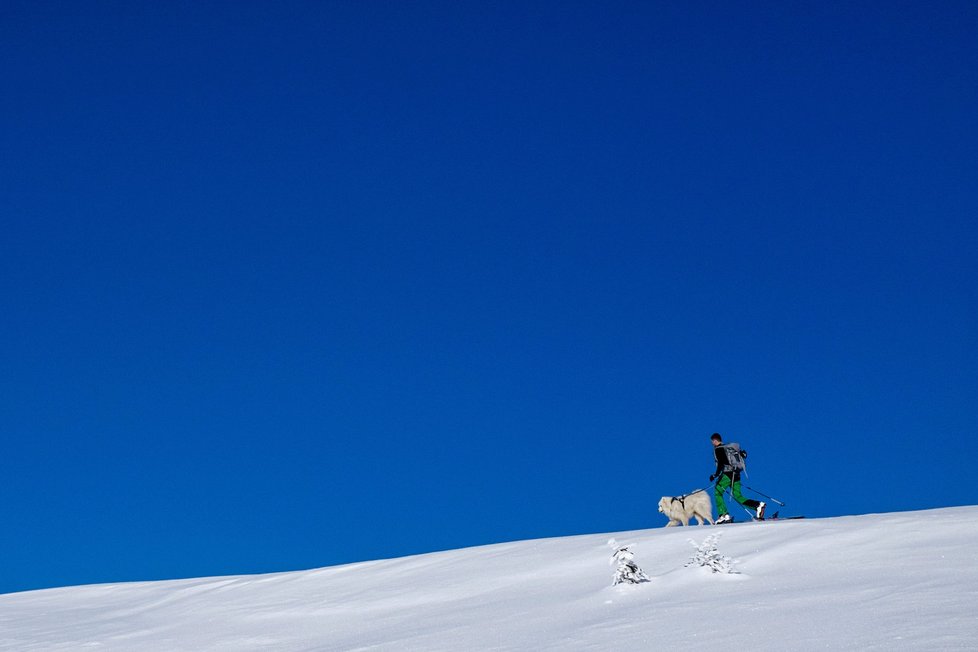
[(720, 454)]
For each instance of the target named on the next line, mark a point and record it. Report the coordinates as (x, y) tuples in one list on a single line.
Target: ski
[(777, 517), (772, 519)]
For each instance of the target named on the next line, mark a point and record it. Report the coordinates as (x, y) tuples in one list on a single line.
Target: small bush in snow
[(708, 556), (627, 571)]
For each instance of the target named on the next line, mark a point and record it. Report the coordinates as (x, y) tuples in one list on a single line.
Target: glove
[(711, 477)]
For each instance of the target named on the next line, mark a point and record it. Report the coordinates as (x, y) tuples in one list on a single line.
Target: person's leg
[(721, 487), (739, 497)]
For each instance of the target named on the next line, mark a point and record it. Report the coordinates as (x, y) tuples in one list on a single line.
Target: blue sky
[(296, 284)]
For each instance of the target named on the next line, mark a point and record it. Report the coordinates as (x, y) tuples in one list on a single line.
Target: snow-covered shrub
[(627, 571), (708, 556)]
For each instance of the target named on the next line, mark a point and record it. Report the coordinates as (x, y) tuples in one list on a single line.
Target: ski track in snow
[(902, 581)]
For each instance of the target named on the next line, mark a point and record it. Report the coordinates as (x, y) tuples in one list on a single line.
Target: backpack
[(735, 457)]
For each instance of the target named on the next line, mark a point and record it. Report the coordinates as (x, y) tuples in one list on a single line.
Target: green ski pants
[(723, 484)]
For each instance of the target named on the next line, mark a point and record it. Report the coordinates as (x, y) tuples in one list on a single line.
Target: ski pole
[(747, 511), (765, 495)]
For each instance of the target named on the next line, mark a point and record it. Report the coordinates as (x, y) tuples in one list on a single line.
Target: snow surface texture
[(905, 581)]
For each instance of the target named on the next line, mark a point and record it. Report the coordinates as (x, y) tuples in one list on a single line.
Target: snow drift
[(903, 581)]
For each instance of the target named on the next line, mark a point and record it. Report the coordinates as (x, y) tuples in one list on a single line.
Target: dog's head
[(664, 503)]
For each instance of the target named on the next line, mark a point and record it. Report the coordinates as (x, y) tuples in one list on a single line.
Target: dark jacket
[(720, 453)]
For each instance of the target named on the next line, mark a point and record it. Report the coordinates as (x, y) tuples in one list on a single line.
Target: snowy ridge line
[(901, 581)]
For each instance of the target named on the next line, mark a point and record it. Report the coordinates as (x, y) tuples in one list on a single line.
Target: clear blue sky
[(286, 285)]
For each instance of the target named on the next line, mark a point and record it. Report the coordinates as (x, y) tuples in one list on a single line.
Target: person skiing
[(727, 475)]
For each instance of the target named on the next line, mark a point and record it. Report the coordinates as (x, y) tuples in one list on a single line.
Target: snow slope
[(903, 581)]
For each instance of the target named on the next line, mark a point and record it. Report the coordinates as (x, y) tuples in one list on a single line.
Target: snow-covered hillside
[(904, 581)]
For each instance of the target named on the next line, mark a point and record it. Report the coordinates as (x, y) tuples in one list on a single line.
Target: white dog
[(680, 509)]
